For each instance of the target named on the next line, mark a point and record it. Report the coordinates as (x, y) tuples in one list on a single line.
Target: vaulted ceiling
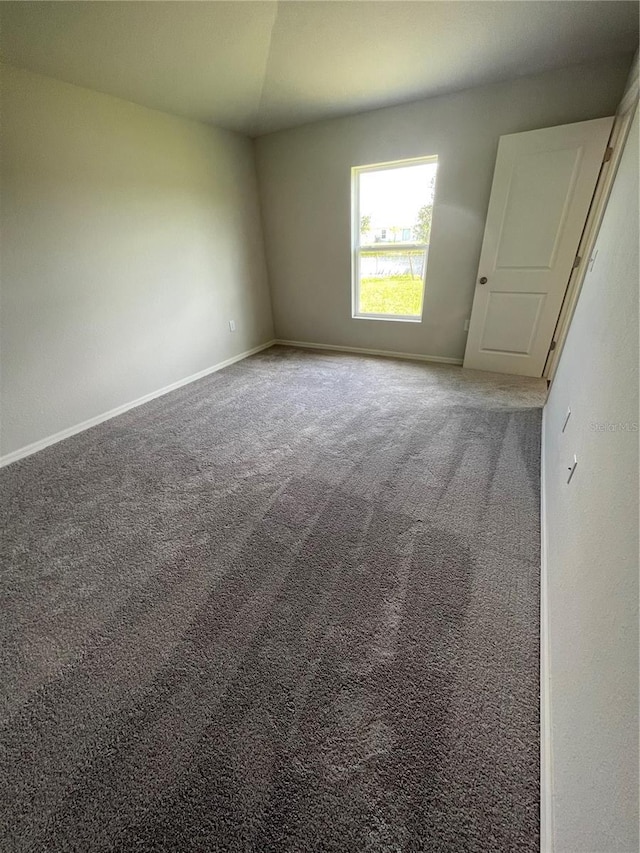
[(261, 66)]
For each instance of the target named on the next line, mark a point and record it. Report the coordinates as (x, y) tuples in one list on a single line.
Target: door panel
[(542, 188), (538, 197), (511, 322)]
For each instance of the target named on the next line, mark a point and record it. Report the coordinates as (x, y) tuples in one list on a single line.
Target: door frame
[(619, 133)]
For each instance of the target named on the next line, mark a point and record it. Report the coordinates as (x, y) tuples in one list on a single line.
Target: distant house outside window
[(392, 210)]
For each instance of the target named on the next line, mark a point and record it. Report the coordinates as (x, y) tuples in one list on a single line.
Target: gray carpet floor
[(290, 607)]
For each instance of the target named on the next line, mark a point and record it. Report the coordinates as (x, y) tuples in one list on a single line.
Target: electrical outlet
[(232, 325), (466, 325)]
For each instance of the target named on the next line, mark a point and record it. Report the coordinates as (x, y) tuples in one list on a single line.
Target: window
[(391, 204)]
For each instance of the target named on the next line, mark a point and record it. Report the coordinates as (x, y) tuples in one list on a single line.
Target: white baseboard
[(36, 446), (29, 449), (546, 752), (407, 355)]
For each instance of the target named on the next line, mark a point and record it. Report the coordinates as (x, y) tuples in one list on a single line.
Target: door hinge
[(576, 263), (553, 345), (607, 155)]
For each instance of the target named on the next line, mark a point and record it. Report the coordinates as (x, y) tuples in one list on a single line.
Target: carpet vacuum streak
[(292, 606)]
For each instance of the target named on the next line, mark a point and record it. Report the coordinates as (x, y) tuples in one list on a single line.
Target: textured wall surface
[(592, 543), (129, 239), (305, 187)]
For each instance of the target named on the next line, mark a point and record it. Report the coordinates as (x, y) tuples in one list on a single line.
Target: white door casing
[(543, 184)]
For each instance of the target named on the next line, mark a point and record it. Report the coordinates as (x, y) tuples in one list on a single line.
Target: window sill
[(386, 317)]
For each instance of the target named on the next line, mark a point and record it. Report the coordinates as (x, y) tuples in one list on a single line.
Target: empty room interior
[(319, 426)]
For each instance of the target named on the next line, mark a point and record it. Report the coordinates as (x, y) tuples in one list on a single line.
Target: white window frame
[(356, 248)]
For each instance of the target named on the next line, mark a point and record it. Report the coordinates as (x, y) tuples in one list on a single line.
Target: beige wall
[(591, 527), (304, 177), (129, 239)]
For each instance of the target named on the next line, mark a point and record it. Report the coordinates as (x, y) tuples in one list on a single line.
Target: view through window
[(392, 207)]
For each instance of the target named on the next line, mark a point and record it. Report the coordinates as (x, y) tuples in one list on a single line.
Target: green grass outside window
[(399, 295)]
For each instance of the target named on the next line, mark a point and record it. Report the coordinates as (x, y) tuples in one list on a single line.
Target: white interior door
[(542, 188)]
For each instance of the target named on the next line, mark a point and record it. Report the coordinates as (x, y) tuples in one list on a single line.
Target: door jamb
[(621, 126)]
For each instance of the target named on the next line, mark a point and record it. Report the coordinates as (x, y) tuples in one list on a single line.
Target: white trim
[(546, 752), (120, 410), (395, 164), (390, 318), (387, 353)]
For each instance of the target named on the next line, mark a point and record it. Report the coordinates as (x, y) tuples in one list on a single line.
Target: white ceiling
[(262, 66)]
